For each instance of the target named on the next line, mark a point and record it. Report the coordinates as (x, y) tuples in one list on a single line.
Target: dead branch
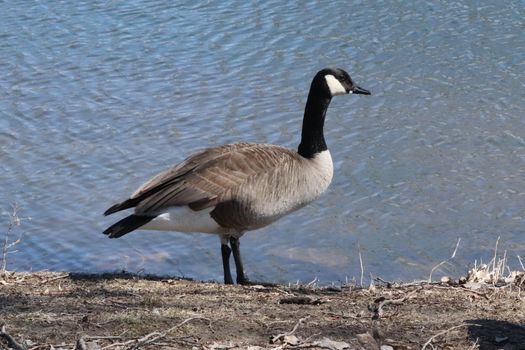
[(387, 283), (484, 295), (54, 278), (324, 343), (149, 338), (447, 331), (282, 291), (294, 329), (101, 337), (119, 344), (154, 336), (312, 283), (380, 302), (301, 301), (11, 342)]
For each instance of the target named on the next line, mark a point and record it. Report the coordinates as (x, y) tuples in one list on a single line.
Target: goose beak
[(358, 90)]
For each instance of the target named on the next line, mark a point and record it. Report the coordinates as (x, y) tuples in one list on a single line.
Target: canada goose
[(230, 189)]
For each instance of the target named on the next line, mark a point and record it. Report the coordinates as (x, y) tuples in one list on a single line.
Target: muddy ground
[(121, 311)]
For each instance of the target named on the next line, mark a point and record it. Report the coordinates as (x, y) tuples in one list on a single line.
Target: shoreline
[(52, 310)]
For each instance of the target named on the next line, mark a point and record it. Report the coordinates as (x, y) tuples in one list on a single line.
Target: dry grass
[(496, 271), (14, 221)]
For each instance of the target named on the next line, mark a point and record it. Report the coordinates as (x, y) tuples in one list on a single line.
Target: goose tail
[(127, 225), (128, 203)]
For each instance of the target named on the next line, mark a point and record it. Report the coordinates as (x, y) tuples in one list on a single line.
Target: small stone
[(257, 287), (367, 341), (473, 285), (290, 340), (462, 280), (386, 347), (333, 289), (445, 279), (327, 343), (501, 339)]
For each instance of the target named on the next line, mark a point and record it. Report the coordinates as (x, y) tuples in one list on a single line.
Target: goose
[(234, 188)]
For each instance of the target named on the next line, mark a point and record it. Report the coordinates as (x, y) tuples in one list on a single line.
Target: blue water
[(98, 96)]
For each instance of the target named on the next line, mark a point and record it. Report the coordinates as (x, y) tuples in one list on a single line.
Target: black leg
[(241, 278), (226, 251)]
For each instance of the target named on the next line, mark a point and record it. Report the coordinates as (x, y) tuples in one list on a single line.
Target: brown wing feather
[(209, 177), (181, 169)]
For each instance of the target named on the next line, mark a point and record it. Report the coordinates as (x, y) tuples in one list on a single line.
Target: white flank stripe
[(183, 219)]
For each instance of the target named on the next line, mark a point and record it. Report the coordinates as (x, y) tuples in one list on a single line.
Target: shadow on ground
[(124, 275), (495, 334)]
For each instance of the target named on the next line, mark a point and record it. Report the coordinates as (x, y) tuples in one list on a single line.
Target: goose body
[(262, 184), (234, 188)]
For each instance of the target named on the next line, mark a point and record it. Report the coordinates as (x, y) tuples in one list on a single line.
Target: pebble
[(445, 279), (501, 339)]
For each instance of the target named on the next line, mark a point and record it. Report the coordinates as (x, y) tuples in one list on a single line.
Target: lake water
[(97, 96)]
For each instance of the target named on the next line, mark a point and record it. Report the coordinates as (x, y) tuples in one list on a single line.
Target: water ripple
[(98, 96)]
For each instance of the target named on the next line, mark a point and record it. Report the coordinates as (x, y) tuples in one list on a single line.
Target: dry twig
[(378, 309), (444, 261), (294, 329), (301, 301), (447, 331), (14, 221), (100, 337), (312, 283), (54, 278), (387, 283), (361, 264), (154, 336)]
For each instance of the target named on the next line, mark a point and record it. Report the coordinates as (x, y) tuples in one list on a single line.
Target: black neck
[(312, 137)]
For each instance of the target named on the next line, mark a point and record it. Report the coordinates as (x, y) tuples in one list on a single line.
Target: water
[(99, 96)]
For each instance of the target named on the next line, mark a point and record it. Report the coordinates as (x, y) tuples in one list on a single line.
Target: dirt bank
[(121, 311)]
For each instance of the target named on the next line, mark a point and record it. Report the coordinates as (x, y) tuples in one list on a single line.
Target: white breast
[(319, 177), (322, 162), (288, 189)]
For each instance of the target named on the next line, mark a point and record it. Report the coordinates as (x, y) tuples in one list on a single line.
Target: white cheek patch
[(336, 88)]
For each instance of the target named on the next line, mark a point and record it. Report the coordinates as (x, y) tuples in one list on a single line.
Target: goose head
[(335, 81), (327, 83)]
